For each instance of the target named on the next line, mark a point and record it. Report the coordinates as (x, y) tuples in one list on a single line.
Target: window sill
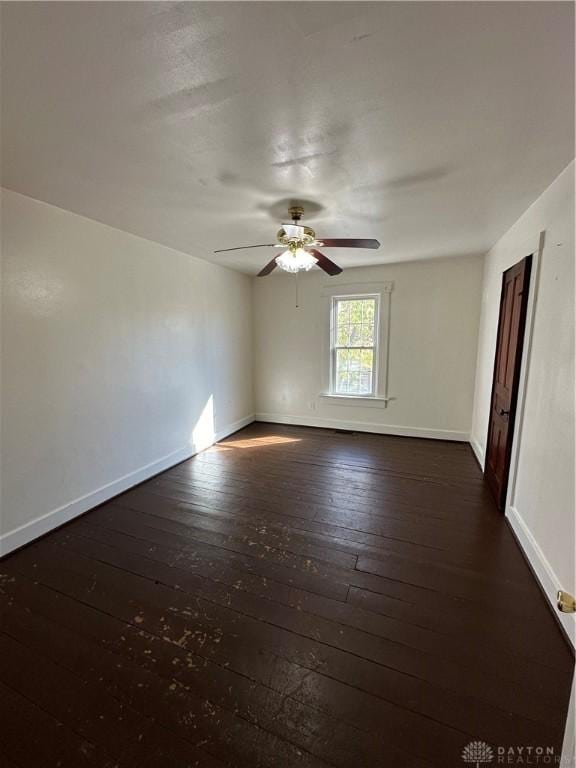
[(373, 401)]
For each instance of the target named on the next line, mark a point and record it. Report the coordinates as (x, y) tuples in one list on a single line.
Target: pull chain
[(296, 288)]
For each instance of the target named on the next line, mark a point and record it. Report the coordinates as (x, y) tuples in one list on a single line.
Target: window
[(354, 339)]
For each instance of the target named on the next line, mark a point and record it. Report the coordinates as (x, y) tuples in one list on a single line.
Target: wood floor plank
[(31, 737), (292, 596), (281, 570), (286, 632), (330, 538), (256, 541), (520, 597), (429, 640), (155, 657), (85, 709), (5, 762)]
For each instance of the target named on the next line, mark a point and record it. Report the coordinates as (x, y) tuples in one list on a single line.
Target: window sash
[(354, 376)]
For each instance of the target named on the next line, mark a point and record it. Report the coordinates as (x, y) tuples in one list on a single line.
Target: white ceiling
[(430, 126)]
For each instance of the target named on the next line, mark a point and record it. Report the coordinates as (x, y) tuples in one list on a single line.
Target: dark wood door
[(513, 303)]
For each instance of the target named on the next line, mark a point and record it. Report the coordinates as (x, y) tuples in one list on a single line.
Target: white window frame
[(384, 290), (375, 346)]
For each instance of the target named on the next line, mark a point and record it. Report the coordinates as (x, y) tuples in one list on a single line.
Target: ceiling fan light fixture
[(302, 254), (296, 260)]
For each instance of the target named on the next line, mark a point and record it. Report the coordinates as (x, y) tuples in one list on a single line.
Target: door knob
[(566, 602), (502, 412)]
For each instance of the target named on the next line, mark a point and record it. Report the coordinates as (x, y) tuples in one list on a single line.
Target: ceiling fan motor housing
[(296, 212), (302, 238)]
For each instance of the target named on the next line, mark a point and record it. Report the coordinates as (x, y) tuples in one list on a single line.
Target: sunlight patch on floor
[(257, 442)]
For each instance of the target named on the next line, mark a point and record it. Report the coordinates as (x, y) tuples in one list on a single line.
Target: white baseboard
[(543, 571), (45, 523), (478, 452), (231, 428), (363, 426)]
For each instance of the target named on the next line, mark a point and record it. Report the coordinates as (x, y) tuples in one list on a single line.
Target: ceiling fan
[(300, 244)]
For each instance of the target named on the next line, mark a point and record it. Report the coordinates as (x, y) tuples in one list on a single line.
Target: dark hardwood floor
[(290, 597)]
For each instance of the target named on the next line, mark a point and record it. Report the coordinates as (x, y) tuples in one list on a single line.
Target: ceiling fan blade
[(348, 243), (268, 268), (244, 247), (324, 263)]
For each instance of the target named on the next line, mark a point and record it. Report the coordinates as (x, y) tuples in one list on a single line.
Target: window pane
[(355, 321), (343, 359), (367, 335), (343, 312), (342, 382), (355, 360), (365, 383), (353, 340), (369, 311), (356, 310), (343, 335), (354, 371), (366, 359), (355, 335)]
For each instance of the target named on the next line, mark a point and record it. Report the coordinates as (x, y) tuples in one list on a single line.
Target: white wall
[(541, 500), (119, 358), (434, 327)]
